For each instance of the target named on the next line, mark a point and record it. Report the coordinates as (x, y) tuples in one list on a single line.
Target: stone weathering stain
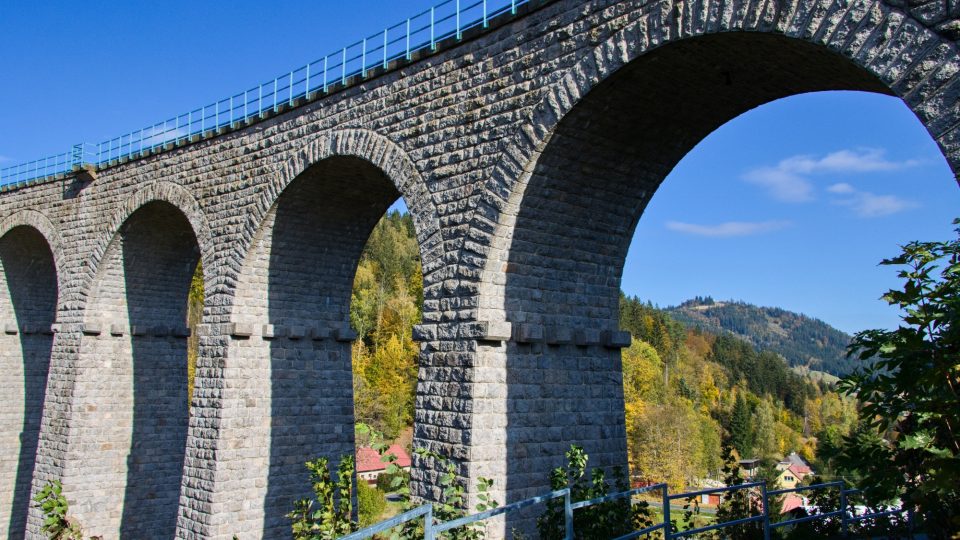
[(525, 153)]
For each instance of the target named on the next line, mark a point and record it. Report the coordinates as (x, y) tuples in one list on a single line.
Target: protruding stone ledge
[(273, 331), (490, 330), (118, 329), (319, 333), (297, 332), (160, 331), (345, 334), (619, 339), (240, 330), (138, 330), (556, 335), (11, 329), (181, 331), (92, 329), (584, 337), (528, 333)]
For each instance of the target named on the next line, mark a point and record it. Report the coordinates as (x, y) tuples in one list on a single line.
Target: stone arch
[(369, 146), (289, 330), (128, 435), (160, 191), (29, 294), (564, 199), (908, 60), (49, 231)]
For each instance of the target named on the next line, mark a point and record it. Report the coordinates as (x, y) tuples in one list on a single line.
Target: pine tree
[(741, 433)]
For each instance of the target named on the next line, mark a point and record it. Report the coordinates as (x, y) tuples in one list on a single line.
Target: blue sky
[(792, 204)]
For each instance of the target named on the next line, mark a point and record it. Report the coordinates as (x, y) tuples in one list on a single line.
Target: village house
[(370, 467)]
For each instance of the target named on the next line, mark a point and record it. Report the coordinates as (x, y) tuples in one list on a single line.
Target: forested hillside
[(801, 340), (687, 391)]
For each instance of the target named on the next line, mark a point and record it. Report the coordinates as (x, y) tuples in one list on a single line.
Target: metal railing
[(847, 516), (448, 19)]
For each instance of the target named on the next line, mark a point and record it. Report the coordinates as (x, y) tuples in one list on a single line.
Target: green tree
[(909, 384), (741, 432), (737, 504)]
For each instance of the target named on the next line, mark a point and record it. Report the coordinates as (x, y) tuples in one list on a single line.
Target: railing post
[(485, 21), (216, 115), (363, 59), (433, 43), (290, 89), (274, 95), (325, 73), (408, 39), (667, 527), (766, 510), (843, 512), (428, 523), (567, 515), (343, 68), (385, 48), (513, 7), (459, 35), (306, 86)]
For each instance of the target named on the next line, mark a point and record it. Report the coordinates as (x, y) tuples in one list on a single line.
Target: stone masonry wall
[(526, 154), (28, 295)]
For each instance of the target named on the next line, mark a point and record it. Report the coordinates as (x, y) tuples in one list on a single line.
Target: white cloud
[(781, 184), (869, 205), (788, 181), (727, 229), (842, 187), (845, 161)]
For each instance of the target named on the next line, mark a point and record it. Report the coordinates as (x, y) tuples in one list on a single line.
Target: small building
[(750, 467), (793, 470), (792, 476), (370, 466)]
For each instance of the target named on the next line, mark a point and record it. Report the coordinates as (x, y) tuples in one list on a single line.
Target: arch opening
[(28, 304), (293, 332), (131, 423), (570, 221)]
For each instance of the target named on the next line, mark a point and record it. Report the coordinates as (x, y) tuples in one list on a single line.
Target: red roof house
[(370, 466)]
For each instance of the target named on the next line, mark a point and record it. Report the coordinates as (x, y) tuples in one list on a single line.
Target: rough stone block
[(494, 330), (529, 333), (318, 333), (297, 332), (585, 337), (345, 334), (240, 330), (92, 329), (558, 335), (424, 332), (619, 339)]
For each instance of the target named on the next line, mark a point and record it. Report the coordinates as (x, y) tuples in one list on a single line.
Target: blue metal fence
[(420, 32), (847, 514)]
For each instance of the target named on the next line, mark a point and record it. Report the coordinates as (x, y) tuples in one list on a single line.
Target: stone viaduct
[(525, 152)]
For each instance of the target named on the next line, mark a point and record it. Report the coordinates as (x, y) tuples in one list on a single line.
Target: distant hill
[(801, 340)]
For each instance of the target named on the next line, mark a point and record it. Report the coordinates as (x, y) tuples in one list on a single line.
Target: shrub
[(371, 503)]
